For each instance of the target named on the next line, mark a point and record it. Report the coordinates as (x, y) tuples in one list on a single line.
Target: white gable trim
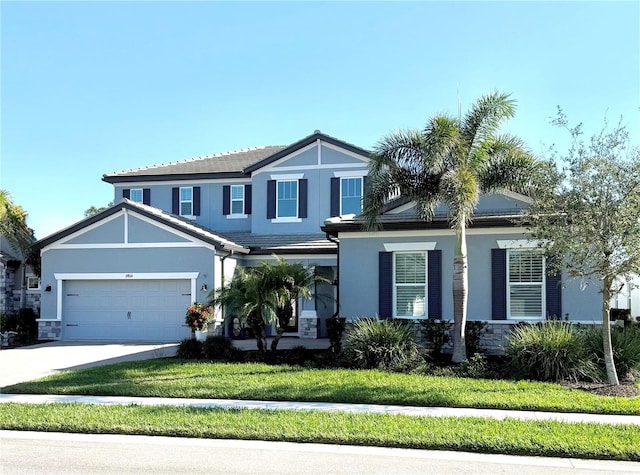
[(189, 241), (516, 196), (273, 167), (401, 208)]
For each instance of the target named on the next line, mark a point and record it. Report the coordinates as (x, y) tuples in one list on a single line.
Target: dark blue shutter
[(434, 284), (175, 200), (385, 284), (196, 201), (226, 199), (554, 296), (335, 196), (146, 196), (126, 193), (271, 199), (499, 284), (302, 198), (247, 199)]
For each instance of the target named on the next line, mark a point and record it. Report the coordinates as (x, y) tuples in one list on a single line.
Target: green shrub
[(189, 349), (626, 348), (475, 367), (24, 322), (217, 347), (436, 333), (297, 356), (473, 331), (382, 344), (550, 351)]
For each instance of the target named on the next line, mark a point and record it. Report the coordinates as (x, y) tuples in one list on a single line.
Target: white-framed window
[(525, 284), (410, 284), (287, 199), (33, 282), (186, 201), (135, 194), (350, 195), (237, 199)]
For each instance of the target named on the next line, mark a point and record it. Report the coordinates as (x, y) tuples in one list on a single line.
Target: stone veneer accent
[(49, 329), (7, 276), (308, 327)]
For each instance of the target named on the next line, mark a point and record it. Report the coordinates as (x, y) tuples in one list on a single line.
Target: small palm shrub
[(551, 351), (217, 348), (382, 344), (626, 348), (189, 349)]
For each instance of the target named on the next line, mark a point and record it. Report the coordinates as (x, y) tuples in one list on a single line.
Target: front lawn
[(544, 438), (178, 378)]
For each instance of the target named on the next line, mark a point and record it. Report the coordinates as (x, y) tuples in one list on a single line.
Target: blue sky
[(93, 87)]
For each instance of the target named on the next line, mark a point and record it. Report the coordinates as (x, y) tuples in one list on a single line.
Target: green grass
[(468, 434), (176, 378)]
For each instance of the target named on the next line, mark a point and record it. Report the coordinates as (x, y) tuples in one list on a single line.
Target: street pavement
[(58, 453)]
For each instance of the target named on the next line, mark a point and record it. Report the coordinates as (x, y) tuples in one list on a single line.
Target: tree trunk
[(612, 374), (460, 286), (257, 327), (284, 317)]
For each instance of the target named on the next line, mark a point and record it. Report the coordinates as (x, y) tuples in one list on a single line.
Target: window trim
[(395, 285), (542, 284), (342, 178), (32, 289), (180, 201), (231, 214), (140, 190), (287, 219)]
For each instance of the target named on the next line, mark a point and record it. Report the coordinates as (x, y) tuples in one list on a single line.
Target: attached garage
[(125, 310)]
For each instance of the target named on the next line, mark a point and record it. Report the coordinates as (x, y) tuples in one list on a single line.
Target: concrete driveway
[(32, 362)]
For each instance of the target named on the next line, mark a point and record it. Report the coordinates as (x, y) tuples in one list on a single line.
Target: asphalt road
[(53, 453)]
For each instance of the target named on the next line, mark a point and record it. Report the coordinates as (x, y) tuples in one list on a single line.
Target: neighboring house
[(178, 230), (406, 270), (19, 285)]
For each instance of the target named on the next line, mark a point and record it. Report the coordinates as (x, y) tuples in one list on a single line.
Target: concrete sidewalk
[(325, 407)]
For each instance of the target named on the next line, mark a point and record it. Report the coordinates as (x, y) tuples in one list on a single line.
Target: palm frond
[(441, 138), (484, 119)]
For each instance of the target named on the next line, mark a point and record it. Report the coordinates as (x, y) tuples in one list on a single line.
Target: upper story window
[(237, 199), (287, 199), (135, 194), (525, 284), (410, 284), (347, 192), (139, 195), (350, 195), (33, 282), (186, 201)]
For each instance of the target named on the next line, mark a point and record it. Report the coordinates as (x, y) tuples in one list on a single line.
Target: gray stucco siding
[(331, 156), (143, 232), (306, 158), (109, 232), (359, 277)]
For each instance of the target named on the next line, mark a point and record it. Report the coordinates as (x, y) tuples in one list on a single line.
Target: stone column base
[(308, 324), (49, 329)]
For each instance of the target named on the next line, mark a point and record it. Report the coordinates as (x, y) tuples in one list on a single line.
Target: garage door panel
[(125, 310)]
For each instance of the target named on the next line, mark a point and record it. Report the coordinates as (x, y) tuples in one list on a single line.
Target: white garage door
[(142, 310)]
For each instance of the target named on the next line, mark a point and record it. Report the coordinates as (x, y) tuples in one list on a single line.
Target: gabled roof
[(236, 164), (317, 135), (223, 165), (175, 222)]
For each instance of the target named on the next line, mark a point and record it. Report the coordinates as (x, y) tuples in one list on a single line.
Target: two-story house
[(178, 230)]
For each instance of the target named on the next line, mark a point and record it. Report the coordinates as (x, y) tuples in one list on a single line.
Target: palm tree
[(451, 161), (266, 294)]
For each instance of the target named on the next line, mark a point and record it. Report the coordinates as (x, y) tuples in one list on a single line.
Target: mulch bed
[(624, 389)]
